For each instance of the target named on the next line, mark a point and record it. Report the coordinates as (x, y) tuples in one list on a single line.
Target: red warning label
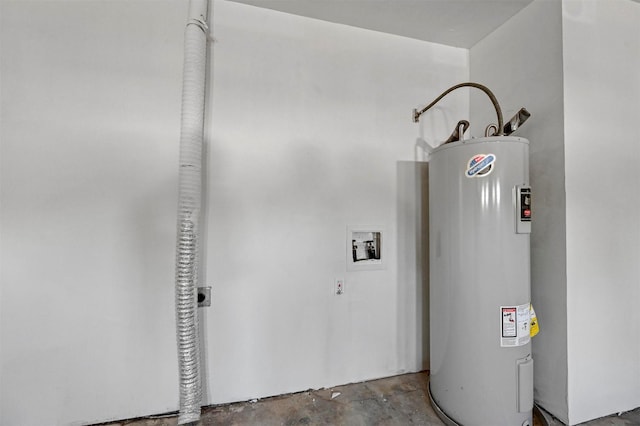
[(514, 325), (509, 322)]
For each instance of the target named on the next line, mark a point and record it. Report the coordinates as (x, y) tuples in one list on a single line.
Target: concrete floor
[(399, 400)]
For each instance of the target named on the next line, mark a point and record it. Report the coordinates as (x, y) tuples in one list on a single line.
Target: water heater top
[(509, 139)]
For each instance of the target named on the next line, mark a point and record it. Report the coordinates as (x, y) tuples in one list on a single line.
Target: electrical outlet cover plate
[(204, 297)]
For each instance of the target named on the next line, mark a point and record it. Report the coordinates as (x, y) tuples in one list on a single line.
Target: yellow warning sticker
[(534, 328)]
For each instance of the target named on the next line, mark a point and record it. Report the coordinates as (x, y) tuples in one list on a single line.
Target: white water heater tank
[(479, 226)]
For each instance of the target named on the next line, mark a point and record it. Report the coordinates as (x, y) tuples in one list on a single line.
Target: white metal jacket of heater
[(480, 222)]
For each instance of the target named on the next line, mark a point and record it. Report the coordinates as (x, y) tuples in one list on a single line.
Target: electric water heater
[(479, 226)]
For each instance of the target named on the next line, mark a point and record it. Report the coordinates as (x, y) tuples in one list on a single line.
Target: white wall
[(310, 131), (522, 63), (602, 100), (90, 117)]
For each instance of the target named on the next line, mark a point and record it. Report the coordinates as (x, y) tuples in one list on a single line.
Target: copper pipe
[(458, 132), (494, 101)]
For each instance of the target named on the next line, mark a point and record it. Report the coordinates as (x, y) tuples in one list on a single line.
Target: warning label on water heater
[(515, 322)]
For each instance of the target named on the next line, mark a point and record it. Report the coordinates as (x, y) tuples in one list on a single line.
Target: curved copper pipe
[(494, 101)]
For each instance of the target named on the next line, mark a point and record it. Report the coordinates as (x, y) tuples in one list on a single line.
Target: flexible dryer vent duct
[(189, 205)]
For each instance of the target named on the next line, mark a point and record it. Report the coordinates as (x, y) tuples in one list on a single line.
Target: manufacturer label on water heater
[(514, 321), (480, 165)]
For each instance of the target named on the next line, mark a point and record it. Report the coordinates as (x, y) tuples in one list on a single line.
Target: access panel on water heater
[(523, 209)]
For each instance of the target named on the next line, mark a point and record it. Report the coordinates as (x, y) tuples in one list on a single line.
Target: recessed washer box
[(365, 248)]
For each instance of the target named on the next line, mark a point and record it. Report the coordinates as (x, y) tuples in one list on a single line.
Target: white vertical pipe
[(189, 206)]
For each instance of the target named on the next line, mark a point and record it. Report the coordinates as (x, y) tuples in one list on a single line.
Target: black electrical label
[(525, 204)]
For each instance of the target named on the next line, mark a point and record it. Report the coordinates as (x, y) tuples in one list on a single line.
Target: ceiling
[(459, 23)]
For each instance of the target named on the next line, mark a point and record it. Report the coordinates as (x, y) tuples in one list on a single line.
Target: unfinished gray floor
[(399, 400)]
